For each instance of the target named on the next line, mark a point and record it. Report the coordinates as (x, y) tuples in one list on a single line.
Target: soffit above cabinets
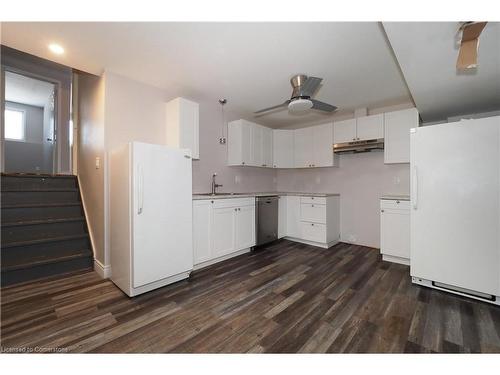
[(250, 64), (427, 54)]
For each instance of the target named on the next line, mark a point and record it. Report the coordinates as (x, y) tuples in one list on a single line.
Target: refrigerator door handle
[(140, 190), (415, 188)]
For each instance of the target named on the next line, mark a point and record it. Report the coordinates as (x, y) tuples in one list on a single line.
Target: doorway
[(30, 114)]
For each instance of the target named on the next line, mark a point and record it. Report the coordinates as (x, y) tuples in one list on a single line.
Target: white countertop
[(260, 194), (395, 197)]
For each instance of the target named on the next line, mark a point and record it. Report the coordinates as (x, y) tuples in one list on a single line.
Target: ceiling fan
[(303, 89)]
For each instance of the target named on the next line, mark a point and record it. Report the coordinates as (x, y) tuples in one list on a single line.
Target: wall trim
[(102, 270)]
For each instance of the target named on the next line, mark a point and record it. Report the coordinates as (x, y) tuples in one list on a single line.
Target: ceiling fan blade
[(274, 107), (322, 106), (309, 87)]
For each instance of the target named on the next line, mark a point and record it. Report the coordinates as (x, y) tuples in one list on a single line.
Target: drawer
[(313, 212), (394, 204), (313, 232), (233, 202), (317, 200)]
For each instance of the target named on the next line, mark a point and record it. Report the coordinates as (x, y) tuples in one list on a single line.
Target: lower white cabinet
[(311, 219), (222, 228), (395, 230)]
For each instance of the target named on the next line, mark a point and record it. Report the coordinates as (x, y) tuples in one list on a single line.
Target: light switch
[(97, 162)]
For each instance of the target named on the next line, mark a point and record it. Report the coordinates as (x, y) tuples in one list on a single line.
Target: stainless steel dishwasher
[(266, 219)]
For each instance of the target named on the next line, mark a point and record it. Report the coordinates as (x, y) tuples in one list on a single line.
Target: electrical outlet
[(237, 179), (97, 162)]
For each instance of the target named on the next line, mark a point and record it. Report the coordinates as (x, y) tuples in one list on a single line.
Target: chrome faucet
[(214, 184)]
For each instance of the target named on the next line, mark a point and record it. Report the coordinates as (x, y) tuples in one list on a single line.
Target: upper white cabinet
[(283, 146), (359, 129), (370, 127), (344, 131), (183, 122), (267, 147), (303, 151), (239, 149), (255, 145), (249, 144), (313, 147), (397, 135)]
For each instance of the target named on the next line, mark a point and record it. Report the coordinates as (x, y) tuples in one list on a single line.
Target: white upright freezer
[(455, 207), (150, 216)]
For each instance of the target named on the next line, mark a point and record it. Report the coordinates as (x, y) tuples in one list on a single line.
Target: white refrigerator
[(455, 207), (150, 216)]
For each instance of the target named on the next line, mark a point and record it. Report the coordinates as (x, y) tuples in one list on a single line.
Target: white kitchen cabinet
[(282, 216), (182, 125), (239, 143), (395, 230), (303, 152), (323, 155), (370, 127), (223, 231), (344, 131), (283, 146), (256, 153), (313, 220), (244, 227), (293, 216), (222, 228), (202, 224), (313, 147), (267, 147), (397, 127)]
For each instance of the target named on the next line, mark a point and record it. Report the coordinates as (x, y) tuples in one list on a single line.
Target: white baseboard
[(395, 259), (102, 270), (312, 243)]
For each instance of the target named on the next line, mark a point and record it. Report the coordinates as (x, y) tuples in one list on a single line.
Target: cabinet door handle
[(312, 225), (312, 205), (382, 211)]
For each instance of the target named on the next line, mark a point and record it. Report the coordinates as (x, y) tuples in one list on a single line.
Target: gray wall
[(23, 63), (27, 156)]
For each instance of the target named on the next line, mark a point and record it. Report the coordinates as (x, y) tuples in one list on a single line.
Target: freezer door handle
[(140, 190), (415, 188)]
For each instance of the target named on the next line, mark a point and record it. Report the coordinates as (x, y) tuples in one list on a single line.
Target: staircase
[(44, 232)]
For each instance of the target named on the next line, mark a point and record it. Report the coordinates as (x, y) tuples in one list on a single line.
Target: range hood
[(359, 146)]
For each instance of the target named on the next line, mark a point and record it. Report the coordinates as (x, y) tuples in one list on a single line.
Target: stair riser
[(19, 276), (18, 197), (50, 250), (35, 213), (19, 183), (33, 232)]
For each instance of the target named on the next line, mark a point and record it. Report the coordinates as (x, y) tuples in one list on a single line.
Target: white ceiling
[(250, 64), (427, 53), (25, 90)]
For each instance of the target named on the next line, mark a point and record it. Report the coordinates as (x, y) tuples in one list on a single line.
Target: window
[(14, 125)]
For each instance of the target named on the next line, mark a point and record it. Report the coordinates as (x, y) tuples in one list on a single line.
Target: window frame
[(23, 111)]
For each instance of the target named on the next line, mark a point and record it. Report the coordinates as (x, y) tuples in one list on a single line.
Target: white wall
[(90, 146)]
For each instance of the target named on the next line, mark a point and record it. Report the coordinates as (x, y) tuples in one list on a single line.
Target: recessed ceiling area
[(250, 64), (427, 53)]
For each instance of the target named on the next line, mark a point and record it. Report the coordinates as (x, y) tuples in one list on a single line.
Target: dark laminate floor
[(288, 298)]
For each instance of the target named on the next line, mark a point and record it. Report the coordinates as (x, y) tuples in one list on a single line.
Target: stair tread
[(42, 221), (37, 205), (43, 260), (44, 240), (33, 190), (35, 175)]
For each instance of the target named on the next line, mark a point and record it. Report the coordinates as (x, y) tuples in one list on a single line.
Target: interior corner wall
[(91, 145)]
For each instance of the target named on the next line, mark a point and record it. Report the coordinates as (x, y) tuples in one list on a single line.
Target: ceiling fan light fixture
[(300, 105)]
